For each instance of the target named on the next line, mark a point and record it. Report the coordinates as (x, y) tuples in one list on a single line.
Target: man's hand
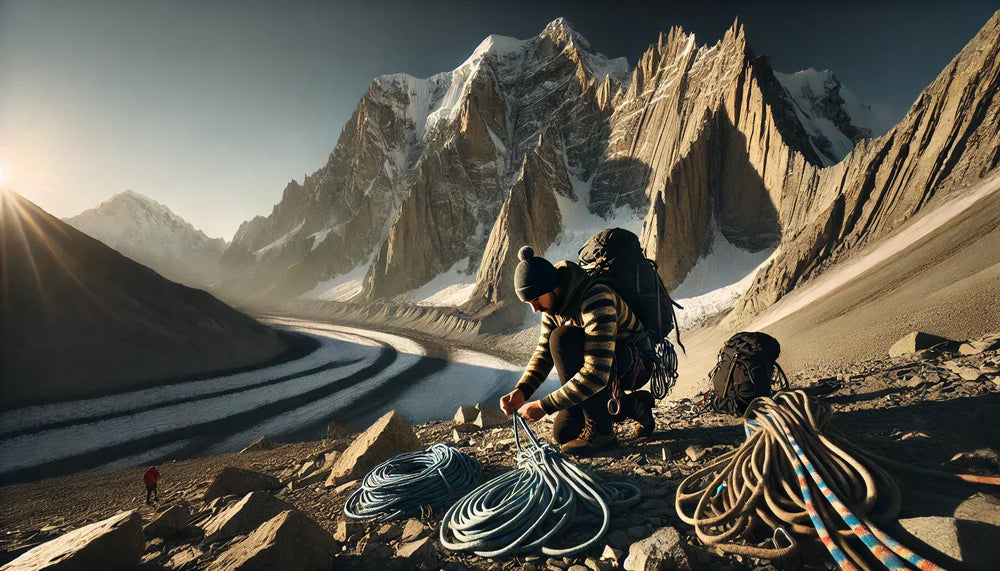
[(533, 411), (510, 402)]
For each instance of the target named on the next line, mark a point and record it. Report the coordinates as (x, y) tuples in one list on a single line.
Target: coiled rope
[(403, 484), (527, 508), (791, 462)]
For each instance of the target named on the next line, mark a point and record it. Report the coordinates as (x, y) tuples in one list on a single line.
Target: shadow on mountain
[(79, 319)]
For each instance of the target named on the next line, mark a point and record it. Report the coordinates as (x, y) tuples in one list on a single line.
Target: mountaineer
[(150, 477), (585, 326)]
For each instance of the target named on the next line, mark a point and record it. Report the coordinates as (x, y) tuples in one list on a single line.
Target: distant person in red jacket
[(150, 478)]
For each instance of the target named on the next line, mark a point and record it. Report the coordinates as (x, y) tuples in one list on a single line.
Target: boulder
[(414, 529), (347, 530), (244, 516), (916, 341), (289, 540), (389, 436), (662, 550), (466, 414), (314, 478), (973, 544), (114, 543), (262, 443), (980, 507), (490, 417), (419, 552), (240, 482), (169, 522), (490, 420)]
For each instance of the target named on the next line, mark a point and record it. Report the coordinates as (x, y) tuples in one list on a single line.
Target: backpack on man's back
[(614, 256), (747, 369)]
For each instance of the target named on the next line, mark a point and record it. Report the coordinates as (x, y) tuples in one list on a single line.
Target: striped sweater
[(606, 320)]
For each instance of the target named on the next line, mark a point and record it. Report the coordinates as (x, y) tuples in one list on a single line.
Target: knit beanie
[(534, 276)]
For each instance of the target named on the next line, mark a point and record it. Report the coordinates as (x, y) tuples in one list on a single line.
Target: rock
[(314, 478), (982, 345), (306, 468), (239, 482), (916, 341), (110, 544), (913, 382), (466, 414), (490, 417), (419, 552), (695, 452), (345, 487), (972, 543), (169, 522), (611, 554), (979, 507), (262, 443), (347, 530), (466, 427), (577, 568), (289, 540), (336, 431), (244, 516), (330, 457), (389, 436), (184, 558), (662, 550), (389, 532), (984, 459), (413, 530), (371, 548)]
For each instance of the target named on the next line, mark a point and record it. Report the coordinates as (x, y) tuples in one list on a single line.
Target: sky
[(212, 107)]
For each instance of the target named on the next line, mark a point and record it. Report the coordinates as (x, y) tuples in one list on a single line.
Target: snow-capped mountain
[(833, 117), (697, 148), (150, 233)]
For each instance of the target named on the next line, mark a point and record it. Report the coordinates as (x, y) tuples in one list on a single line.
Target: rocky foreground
[(280, 506)]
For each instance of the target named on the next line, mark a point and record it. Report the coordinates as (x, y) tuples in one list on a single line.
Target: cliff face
[(949, 139)]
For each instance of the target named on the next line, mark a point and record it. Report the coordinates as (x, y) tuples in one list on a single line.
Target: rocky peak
[(561, 32)]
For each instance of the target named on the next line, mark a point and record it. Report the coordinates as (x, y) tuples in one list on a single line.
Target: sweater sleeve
[(599, 314), (541, 362)]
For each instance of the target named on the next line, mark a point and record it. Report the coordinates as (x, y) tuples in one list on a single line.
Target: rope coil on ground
[(527, 508), (403, 484), (780, 478)]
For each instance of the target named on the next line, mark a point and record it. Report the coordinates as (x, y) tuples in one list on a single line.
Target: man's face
[(545, 303)]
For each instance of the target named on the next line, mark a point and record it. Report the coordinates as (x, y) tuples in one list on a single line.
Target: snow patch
[(318, 237), (717, 281), (579, 224), (341, 288), (451, 288)]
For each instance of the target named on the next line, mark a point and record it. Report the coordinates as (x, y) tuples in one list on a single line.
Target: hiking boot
[(642, 413), (592, 438)]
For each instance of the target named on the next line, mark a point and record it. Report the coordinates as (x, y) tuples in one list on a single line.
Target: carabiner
[(614, 406)]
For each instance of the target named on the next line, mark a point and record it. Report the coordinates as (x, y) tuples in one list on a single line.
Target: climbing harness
[(798, 476), (406, 483), (527, 508)]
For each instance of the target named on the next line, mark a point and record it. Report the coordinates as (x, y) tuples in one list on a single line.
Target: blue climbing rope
[(403, 484), (525, 509)]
